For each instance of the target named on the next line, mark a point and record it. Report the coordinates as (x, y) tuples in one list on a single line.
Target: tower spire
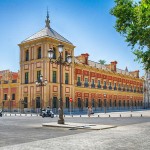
[(47, 21)]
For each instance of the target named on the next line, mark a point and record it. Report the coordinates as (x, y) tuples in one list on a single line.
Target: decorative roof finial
[(47, 21), (126, 69)]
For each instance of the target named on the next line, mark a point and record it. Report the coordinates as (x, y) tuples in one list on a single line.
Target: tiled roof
[(47, 32)]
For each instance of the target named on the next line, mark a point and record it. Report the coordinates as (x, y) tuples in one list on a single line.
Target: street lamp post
[(131, 104), (105, 102), (3, 105), (60, 62), (40, 82)]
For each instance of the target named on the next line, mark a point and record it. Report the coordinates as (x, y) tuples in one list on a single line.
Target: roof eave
[(23, 42)]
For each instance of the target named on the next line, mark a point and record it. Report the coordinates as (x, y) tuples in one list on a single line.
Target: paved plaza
[(26, 132)]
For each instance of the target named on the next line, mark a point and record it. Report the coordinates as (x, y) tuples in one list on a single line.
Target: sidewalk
[(141, 113)]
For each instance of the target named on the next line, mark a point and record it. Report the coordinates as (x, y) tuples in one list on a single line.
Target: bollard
[(31, 114), (15, 114), (131, 115), (109, 115), (120, 115), (80, 115), (10, 114), (141, 115), (98, 115), (64, 115), (72, 115)]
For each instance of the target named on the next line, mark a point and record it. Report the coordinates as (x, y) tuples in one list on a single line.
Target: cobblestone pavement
[(133, 137), (19, 132)]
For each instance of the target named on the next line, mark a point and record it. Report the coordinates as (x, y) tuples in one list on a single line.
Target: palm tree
[(102, 62)]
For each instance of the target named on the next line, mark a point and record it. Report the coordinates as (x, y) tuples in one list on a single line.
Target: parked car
[(47, 113), (0, 113)]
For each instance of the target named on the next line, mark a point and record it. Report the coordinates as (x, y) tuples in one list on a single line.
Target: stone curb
[(79, 126)]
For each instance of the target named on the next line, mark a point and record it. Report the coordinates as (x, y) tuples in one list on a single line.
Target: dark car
[(47, 113), (0, 113)]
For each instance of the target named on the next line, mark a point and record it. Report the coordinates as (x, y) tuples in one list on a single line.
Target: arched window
[(110, 104), (38, 102), (27, 55), (67, 102), (99, 103), (39, 53), (104, 87), (55, 102), (86, 102), (110, 87), (79, 103), (54, 55), (66, 54), (25, 102), (115, 87)]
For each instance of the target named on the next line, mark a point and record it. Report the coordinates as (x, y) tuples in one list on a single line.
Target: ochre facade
[(107, 86), (87, 83)]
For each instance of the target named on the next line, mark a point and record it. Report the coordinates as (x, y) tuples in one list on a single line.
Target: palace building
[(88, 83)]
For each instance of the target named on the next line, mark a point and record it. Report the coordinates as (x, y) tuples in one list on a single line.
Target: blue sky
[(86, 23)]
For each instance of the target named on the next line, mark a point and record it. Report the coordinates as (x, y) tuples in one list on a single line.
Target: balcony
[(104, 87), (119, 89), (92, 85), (110, 87), (86, 85), (115, 88), (98, 86), (79, 83)]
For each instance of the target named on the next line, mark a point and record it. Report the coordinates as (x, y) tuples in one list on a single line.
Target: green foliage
[(102, 62), (133, 22)]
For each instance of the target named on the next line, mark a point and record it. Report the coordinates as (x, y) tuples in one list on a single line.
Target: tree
[(102, 62), (133, 22)]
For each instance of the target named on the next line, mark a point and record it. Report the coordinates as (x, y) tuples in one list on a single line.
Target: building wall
[(45, 93), (9, 90), (109, 97)]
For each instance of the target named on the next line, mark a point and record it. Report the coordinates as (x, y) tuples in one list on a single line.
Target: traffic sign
[(70, 99)]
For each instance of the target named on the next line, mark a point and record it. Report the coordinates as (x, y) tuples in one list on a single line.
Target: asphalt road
[(16, 130)]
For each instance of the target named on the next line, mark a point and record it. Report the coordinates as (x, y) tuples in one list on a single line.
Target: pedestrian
[(88, 111), (92, 111)]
